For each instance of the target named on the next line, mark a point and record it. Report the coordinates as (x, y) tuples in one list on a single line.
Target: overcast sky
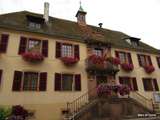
[(138, 18)]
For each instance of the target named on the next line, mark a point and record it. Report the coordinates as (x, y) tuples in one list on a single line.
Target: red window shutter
[(4, 42), (45, 48), (17, 81), (57, 83), (22, 45), (155, 85), (117, 54), (135, 87), (121, 81), (58, 49), (149, 60), (43, 81), (78, 82), (158, 61), (0, 76), (76, 51), (129, 58), (139, 60)]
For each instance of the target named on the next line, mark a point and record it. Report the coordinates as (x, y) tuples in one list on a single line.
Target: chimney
[(46, 11), (100, 25)]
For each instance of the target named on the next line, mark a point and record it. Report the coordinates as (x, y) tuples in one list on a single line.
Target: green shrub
[(4, 113)]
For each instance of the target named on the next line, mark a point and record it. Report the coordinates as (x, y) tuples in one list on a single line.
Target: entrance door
[(101, 79)]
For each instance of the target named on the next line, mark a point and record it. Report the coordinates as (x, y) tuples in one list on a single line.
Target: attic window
[(34, 21), (133, 41)]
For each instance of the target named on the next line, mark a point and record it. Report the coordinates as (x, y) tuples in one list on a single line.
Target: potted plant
[(33, 56), (113, 60), (127, 66), (149, 68), (69, 60)]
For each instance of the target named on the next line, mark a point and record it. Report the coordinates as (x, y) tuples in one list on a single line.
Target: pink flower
[(113, 60), (33, 56), (127, 66), (149, 68), (69, 60)]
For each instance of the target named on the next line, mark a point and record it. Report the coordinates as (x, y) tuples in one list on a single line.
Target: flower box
[(127, 66), (104, 90), (149, 68), (113, 60), (33, 56), (69, 60)]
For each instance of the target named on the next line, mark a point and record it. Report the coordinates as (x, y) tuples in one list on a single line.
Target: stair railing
[(74, 106), (148, 103)]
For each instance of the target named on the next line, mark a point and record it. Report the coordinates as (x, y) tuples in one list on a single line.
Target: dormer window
[(34, 25), (35, 22), (133, 41)]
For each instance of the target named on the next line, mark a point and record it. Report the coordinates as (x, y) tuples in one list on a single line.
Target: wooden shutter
[(134, 81), (0, 76), (17, 81), (76, 51), (4, 43), (117, 54), (155, 85), (22, 45), (158, 61), (78, 82), (45, 48), (129, 58), (121, 81), (57, 83), (139, 60), (149, 60), (144, 84), (43, 81), (58, 49)]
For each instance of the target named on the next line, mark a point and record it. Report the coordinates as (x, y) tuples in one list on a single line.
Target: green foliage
[(4, 113)]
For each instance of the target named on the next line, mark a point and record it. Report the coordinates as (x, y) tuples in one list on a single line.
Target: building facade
[(44, 62)]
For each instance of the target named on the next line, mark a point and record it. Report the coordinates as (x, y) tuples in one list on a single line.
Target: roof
[(72, 30)]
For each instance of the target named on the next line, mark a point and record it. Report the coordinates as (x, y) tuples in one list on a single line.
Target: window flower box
[(127, 66), (105, 90), (33, 56), (149, 68), (113, 60), (69, 60)]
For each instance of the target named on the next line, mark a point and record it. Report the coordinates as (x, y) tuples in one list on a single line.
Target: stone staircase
[(90, 107)]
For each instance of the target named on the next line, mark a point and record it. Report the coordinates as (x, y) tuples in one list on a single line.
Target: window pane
[(122, 57), (67, 51), (67, 82), (34, 45), (147, 84), (30, 81), (98, 52)]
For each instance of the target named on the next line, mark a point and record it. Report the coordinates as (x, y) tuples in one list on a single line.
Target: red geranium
[(69, 60), (149, 68), (33, 56), (113, 60), (127, 66)]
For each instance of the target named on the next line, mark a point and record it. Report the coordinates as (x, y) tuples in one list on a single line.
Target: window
[(4, 42), (34, 25), (130, 81), (144, 60), (33, 45), (29, 81), (98, 52), (158, 61), (66, 50), (101, 79), (150, 84), (124, 57), (67, 82)]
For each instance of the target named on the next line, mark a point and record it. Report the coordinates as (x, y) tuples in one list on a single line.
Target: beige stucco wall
[(50, 102), (139, 72)]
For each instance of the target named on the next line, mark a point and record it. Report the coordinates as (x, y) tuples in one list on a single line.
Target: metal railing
[(74, 106), (148, 103)]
